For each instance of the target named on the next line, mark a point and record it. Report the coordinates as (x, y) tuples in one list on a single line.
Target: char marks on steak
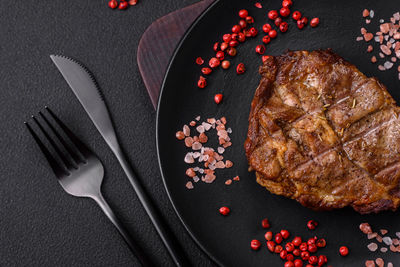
[(323, 133)]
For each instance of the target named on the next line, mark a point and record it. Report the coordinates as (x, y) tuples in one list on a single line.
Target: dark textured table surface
[(41, 225)]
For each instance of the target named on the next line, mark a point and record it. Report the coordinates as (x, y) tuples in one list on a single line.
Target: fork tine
[(67, 147), (75, 140), (57, 169), (67, 162)]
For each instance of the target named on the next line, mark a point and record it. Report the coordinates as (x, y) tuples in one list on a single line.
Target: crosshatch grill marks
[(308, 146)]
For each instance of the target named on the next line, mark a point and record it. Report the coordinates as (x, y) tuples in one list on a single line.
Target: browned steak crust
[(323, 133)]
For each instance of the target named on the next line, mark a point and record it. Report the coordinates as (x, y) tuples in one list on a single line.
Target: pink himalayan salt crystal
[(372, 235), (372, 246), (189, 185), (380, 262), (228, 182)]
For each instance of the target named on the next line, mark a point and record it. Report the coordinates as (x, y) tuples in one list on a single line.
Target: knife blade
[(86, 89)]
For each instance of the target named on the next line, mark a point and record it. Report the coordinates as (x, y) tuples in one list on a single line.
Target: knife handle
[(169, 240)]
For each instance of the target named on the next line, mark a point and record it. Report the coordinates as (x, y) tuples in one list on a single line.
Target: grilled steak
[(323, 133)]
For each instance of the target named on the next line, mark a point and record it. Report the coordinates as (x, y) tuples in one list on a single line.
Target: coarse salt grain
[(371, 235), (372, 246), (371, 14), (196, 146), (383, 231), (228, 182), (189, 158), (365, 228), (197, 118), (380, 262), (369, 263), (189, 185), (390, 264), (221, 150), (388, 65), (200, 129), (384, 250), (387, 240), (186, 130), (206, 126), (381, 68), (359, 38), (196, 179)]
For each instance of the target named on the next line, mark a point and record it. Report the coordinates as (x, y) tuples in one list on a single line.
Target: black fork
[(78, 170)]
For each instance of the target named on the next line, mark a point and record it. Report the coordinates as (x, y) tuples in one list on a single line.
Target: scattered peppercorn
[(225, 64), (344, 251), (113, 4), (311, 224), (322, 259), (298, 263), (243, 13), (206, 71), (312, 248), (296, 252), (289, 247), (289, 264), (313, 260), (314, 22), (273, 14), (240, 69), (271, 246), (266, 28), (123, 5), (260, 49), (199, 61), (321, 243), (224, 211), (268, 236), (253, 31), (278, 249), (249, 19), (278, 21), (283, 27), (265, 223), (202, 82), (278, 238), (283, 254), (220, 55), (305, 255), (272, 34), (285, 12), (287, 3), (255, 244), (264, 58), (236, 28), (290, 257), (214, 62), (231, 51), (218, 98), (296, 241), (296, 15), (285, 234)]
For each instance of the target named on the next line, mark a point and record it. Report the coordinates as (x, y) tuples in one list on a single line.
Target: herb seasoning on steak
[(323, 133)]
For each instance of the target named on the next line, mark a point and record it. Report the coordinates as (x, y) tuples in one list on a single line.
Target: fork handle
[(137, 251)]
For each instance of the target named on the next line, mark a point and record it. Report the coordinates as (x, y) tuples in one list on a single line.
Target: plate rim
[(171, 61)]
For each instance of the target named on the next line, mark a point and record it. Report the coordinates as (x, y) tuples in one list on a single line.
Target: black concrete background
[(41, 225)]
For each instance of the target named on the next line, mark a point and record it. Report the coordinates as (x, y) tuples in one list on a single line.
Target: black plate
[(227, 239)]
